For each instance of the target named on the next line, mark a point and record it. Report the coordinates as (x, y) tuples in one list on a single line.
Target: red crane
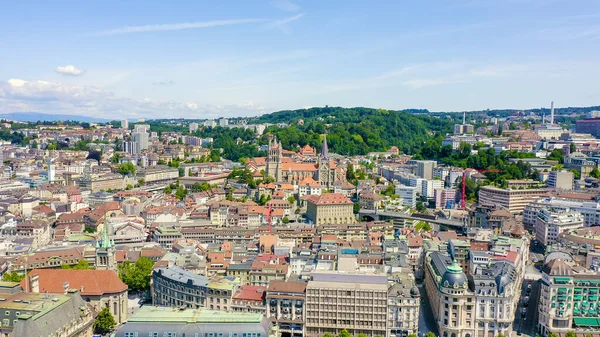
[(464, 185)]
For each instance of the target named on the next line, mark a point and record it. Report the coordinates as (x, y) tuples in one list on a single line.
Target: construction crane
[(464, 185)]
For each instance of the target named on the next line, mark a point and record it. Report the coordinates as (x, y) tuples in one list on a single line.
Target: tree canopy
[(105, 322), (81, 265), (136, 275), (353, 131), (13, 276), (127, 168)]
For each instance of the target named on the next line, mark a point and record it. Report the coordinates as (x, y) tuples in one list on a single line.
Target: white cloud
[(17, 95), (283, 23), (421, 83), (285, 5), (175, 26), (69, 70), (169, 82)]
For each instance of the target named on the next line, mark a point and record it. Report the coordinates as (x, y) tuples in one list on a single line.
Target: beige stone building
[(480, 305), (337, 301), (329, 208), (512, 200)]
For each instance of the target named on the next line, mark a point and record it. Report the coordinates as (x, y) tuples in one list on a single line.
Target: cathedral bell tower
[(274, 159), (105, 251), (325, 177)]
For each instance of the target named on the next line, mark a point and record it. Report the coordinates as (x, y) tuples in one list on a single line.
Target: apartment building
[(568, 299), (551, 223), (590, 210), (560, 180), (286, 306)]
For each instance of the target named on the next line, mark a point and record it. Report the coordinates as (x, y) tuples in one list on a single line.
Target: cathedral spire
[(324, 148), (105, 242)]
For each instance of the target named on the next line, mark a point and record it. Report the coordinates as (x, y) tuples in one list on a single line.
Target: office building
[(425, 168), (512, 200), (357, 303), (568, 299), (329, 208), (142, 140), (429, 186), (551, 223), (588, 125), (560, 180), (177, 287), (408, 194), (174, 322), (481, 307)]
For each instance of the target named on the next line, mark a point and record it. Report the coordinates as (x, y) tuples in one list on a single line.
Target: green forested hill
[(354, 131)]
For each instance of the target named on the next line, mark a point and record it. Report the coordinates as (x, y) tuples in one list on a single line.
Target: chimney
[(66, 287), (34, 282)]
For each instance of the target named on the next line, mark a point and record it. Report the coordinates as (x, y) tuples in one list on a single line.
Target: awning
[(586, 321), (592, 297), (577, 297), (576, 311), (561, 280)]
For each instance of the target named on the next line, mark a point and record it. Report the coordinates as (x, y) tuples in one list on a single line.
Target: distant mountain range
[(36, 116)]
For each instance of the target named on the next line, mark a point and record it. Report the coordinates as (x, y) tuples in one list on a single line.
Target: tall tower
[(552, 112), (464, 117), (51, 170), (325, 177), (274, 159), (105, 251)]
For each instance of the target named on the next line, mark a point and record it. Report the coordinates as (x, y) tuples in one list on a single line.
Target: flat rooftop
[(349, 278), (191, 316), (39, 304)]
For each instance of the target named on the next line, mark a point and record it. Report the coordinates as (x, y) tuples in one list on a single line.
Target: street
[(527, 326), (426, 320)]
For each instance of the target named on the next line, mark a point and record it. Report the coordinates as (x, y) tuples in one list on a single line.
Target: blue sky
[(206, 59)]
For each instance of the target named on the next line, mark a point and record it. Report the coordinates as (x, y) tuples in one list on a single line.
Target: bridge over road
[(380, 215)]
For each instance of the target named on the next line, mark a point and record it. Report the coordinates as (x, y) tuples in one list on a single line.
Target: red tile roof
[(328, 199), (88, 282), (250, 293)]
